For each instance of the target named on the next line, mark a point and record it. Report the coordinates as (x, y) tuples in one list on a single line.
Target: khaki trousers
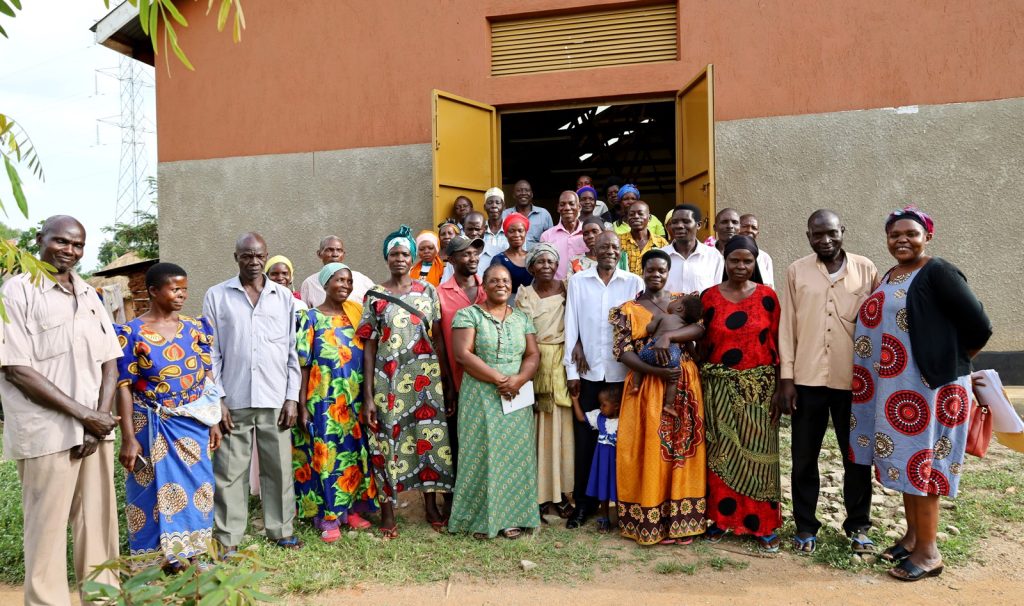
[(56, 489), (231, 472)]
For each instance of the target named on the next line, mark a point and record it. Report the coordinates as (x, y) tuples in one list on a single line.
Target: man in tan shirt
[(58, 354), (822, 294)]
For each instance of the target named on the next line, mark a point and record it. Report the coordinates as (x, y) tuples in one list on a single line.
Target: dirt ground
[(785, 579)]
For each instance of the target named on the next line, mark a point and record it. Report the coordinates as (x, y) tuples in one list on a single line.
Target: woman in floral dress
[(401, 334), (915, 337), (330, 454)]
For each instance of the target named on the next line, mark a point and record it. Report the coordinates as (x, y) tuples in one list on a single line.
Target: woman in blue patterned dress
[(404, 403), (330, 454), (915, 337), (169, 408)]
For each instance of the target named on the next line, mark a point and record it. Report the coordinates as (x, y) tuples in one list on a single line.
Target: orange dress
[(660, 460), (433, 276)]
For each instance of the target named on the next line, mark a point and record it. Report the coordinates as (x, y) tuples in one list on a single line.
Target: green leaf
[(6, 9), (222, 16), (152, 25), (3, 32), (144, 15), (16, 3), (169, 5), (177, 49), (19, 194)]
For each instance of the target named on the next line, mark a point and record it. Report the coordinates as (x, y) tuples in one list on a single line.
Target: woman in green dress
[(496, 490), (404, 404)]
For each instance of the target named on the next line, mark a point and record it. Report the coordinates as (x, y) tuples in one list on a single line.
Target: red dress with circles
[(742, 336)]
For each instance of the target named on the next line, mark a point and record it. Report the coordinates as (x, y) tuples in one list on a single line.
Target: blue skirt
[(601, 484)]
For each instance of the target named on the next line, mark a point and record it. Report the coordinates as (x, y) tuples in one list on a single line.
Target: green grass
[(700, 560)]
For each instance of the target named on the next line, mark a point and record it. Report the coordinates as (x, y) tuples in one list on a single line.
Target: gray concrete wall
[(293, 200), (961, 163)]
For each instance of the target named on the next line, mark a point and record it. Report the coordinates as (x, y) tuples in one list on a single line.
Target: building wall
[(341, 74), (293, 200), (962, 163)]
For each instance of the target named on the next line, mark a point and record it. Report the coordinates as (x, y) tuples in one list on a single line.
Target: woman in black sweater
[(916, 335)]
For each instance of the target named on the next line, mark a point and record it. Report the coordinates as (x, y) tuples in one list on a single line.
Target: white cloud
[(50, 84)]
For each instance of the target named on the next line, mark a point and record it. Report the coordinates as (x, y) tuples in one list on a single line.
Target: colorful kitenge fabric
[(741, 340), (915, 434), (331, 456), (170, 501), (660, 459), (497, 483), (412, 450)]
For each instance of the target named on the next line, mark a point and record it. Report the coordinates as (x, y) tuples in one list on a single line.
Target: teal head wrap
[(329, 270), (401, 237)]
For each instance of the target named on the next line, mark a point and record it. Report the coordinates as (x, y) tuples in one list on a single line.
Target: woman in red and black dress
[(741, 323)]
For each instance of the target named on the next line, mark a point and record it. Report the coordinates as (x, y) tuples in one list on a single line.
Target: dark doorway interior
[(551, 148)]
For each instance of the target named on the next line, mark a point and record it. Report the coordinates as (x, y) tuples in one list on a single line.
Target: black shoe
[(579, 518)]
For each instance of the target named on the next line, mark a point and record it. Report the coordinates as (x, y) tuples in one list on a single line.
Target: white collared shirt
[(587, 304), (702, 270), (764, 263)]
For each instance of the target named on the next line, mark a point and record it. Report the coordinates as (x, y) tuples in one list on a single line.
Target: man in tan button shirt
[(822, 295), (58, 355)]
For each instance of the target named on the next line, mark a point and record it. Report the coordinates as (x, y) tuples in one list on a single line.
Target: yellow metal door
[(695, 145), (465, 151)]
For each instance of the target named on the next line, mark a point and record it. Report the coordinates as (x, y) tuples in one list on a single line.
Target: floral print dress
[(331, 456)]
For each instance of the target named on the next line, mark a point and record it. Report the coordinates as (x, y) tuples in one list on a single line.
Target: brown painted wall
[(340, 74)]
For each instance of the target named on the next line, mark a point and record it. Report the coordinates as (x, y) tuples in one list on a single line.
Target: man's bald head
[(61, 242), (60, 222), (823, 214), (248, 241)]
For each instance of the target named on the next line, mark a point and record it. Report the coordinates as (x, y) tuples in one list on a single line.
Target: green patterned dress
[(497, 483), (412, 451)]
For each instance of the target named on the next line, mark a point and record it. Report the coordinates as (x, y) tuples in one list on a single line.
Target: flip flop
[(805, 546), (512, 533), (769, 544), (714, 535), (439, 525), (604, 525), (685, 541), (330, 535), (388, 534), (357, 522), (860, 543), (913, 572), (667, 542), (897, 553), (291, 542)]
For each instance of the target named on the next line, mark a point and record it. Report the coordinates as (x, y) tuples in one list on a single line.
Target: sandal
[(357, 522), (291, 542), (910, 572), (439, 525), (805, 546), (897, 553), (564, 509), (685, 541), (604, 525), (714, 535), (667, 542), (512, 533), (330, 535), (388, 534), (769, 544), (480, 536), (860, 544)]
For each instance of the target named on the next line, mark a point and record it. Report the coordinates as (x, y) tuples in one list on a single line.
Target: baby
[(682, 312)]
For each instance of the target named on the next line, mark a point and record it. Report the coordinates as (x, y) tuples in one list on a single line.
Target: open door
[(466, 145), (695, 146)]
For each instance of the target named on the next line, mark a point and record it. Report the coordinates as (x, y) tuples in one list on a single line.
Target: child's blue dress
[(601, 484)]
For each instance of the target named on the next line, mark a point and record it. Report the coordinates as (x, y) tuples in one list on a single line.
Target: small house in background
[(122, 285)]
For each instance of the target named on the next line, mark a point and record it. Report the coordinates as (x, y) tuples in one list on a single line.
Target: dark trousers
[(586, 442), (814, 405)]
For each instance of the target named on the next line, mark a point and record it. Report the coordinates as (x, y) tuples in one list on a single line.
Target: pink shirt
[(569, 244), (453, 298)]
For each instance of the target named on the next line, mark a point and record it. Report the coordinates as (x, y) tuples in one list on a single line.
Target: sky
[(62, 88)]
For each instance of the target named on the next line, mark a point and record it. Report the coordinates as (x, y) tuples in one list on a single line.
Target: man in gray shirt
[(256, 363)]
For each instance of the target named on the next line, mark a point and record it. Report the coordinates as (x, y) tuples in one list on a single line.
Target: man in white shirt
[(592, 367), (695, 265), (332, 250), (748, 227)]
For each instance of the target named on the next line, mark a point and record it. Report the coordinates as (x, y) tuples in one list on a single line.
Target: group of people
[(514, 366)]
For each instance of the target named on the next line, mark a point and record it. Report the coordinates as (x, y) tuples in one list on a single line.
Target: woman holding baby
[(741, 320), (660, 455)]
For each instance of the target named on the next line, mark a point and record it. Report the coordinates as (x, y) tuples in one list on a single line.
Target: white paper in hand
[(523, 400)]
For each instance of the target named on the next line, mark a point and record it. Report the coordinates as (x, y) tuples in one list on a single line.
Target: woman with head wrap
[(430, 266), (628, 194), (543, 301), (915, 337), (401, 334), (279, 269), (513, 258), (330, 453), (741, 320)]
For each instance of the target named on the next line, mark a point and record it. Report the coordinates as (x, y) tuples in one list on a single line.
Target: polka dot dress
[(914, 434)]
